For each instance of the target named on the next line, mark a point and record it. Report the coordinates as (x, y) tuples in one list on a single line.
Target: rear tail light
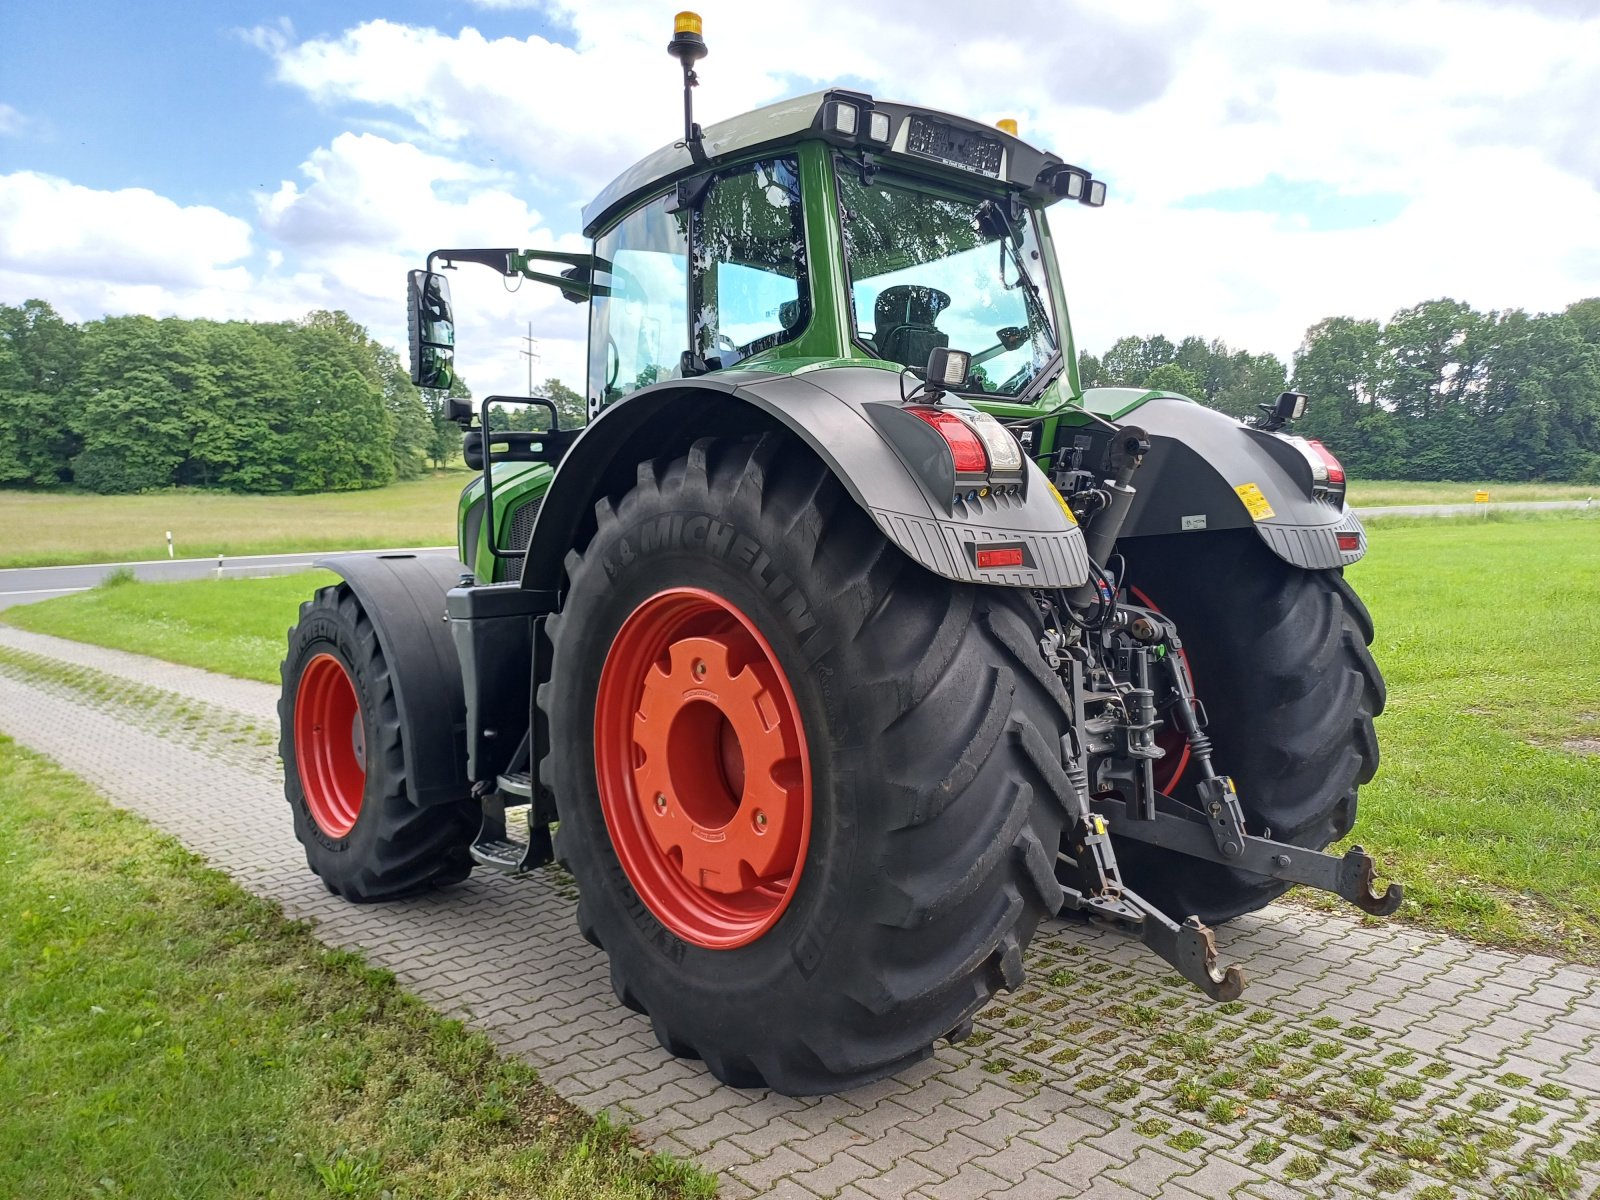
[(966, 447), (1005, 455), (1349, 542), (1335, 470)]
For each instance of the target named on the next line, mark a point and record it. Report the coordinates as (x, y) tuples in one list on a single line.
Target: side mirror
[(458, 409), (432, 330)]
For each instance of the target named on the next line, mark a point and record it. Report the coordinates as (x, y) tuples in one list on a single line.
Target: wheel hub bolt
[(761, 819), (699, 668), (661, 802)]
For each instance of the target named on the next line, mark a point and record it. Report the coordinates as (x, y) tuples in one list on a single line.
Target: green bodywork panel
[(515, 484), (1114, 403)]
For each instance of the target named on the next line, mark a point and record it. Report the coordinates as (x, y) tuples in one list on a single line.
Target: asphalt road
[(22, 585)]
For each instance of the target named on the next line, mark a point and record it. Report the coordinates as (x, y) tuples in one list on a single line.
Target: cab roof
[(815, 116)]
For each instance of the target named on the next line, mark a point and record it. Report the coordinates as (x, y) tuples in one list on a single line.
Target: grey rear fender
[(887, 460), (1207, 471)]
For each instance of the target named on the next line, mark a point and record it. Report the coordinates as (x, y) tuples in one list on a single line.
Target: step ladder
[(511, 839)]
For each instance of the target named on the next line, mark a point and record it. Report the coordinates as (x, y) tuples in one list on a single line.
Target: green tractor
[(850, 638)]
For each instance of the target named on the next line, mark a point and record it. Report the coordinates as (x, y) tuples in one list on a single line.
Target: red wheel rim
[(1171, 768), (700, 756), (330, 750)]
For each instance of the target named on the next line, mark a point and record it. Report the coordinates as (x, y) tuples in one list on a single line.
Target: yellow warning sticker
[(1062, 500), (1255, 503)]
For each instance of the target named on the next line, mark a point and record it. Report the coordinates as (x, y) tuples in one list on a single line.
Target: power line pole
[(530, 351)]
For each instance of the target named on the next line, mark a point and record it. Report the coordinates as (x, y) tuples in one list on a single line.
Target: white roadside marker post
[(169, 543)]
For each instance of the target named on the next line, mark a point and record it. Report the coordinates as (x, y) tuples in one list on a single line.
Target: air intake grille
[(521, 533)]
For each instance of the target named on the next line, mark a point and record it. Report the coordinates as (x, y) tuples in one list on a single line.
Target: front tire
[(905, 754), (344, 767), (1280, 660)]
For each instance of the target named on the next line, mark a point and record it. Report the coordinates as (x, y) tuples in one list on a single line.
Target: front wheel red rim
[(702, 767), (330, 745)]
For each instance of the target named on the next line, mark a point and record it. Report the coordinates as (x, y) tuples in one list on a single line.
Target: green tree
[(1131, 359), (1170, 377), (342, 434), (570, 404), (39, 359), (1251, 381), (131, 401), (444, 435), (413, 427)]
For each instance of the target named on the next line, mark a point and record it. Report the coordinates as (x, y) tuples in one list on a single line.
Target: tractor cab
[(825, 231), (829, 229)]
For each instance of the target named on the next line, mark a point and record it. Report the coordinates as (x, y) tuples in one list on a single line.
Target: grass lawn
[(164, 1034), (1489, 637), (46, 528), (236, 626), (1488, 801), (1376, 493)]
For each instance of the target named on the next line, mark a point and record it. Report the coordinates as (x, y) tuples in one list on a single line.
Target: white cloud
[(12, 122), (1478, 114), (51, 227)]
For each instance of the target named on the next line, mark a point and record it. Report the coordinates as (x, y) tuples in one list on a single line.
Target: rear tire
[(932, 736), (344, 766), (1280, 660)]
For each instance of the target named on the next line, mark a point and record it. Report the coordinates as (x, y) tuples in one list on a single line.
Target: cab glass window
[(749, 253), (931, 268), (639, 317)]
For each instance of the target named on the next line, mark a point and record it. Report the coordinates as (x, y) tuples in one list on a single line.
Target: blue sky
[(1270, 165), (175, 98)]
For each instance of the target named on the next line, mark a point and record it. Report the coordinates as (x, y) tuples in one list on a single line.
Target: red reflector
[(1349, 541), (1335, 470), (1010, 556), (965, 448)]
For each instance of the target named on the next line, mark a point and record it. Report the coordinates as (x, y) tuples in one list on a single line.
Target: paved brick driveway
[(1368, 1059)]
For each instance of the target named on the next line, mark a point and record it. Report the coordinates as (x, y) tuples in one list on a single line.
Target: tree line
[(1439, 391), (132, 403)]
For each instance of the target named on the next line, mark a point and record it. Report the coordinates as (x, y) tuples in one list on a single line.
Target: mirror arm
[(498, 260), (576, 286)]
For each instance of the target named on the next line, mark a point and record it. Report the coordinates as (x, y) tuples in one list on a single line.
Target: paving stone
[(505, 955)]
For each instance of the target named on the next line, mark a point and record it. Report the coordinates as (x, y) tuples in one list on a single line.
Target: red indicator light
[(1349, 541), (965, 446), (1009, 556), (1335, 468)]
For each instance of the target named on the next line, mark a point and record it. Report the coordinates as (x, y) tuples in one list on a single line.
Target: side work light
[(947, 368)]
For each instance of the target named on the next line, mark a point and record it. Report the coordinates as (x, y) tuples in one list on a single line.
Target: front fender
[(845, 416), (1207, 471), (403, 596)]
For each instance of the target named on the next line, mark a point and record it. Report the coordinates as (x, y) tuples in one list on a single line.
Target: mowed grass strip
[(1487, 804), (236, 626), (50, 528), (1376, 493), (162, 1033)]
